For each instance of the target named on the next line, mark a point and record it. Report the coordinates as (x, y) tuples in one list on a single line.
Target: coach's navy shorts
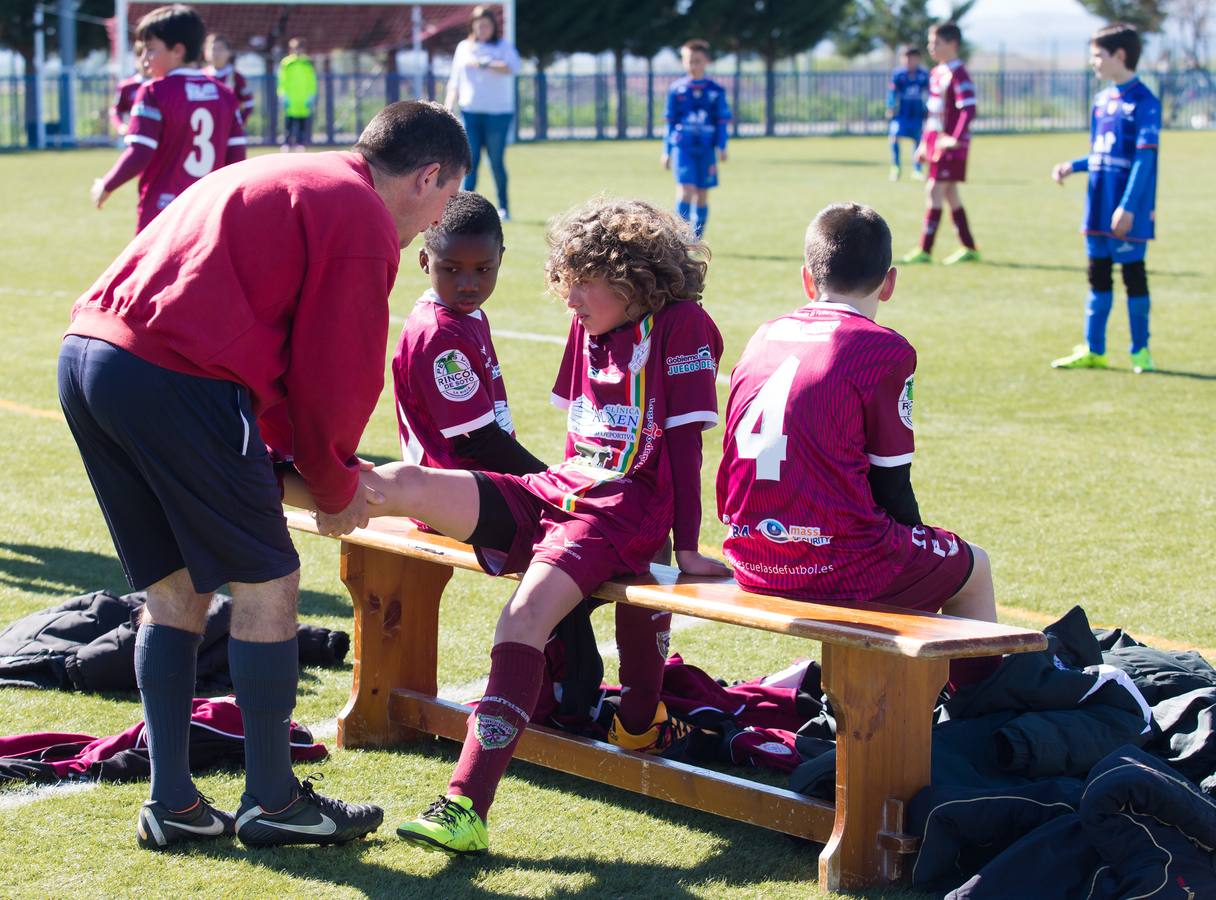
[(178, 467)]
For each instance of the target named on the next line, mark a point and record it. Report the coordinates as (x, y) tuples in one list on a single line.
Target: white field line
[(536, 338), (33, 292), (15, 797)]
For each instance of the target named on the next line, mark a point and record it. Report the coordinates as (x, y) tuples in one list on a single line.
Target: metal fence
[(597, 106)]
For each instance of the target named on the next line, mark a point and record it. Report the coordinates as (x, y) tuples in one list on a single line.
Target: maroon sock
[(964, 230), (972, 670), (643, 638), (932, 217), (495, 726)]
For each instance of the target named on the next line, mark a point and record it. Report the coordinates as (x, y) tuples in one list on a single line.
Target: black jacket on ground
[(88, 644), (1133, 828)]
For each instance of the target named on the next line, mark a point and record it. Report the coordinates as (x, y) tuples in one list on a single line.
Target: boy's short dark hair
[(176, 24), (466, 213), (948, 31), (697, 45), (1120, 36), (911, 51), (409, 134), (848, 249)]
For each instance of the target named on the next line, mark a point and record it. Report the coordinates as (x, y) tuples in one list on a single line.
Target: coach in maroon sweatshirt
[(253, 311)]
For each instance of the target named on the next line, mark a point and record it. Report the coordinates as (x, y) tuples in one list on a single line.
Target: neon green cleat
[(450, 825), (1142, 361), (962, 255), (915, 257), (894, 173), (1080, 358)]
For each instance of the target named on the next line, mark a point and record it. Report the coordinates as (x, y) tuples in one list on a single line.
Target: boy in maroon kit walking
[(183, 362), (638, 384), (183, 125), (946, 142), (815, 481)]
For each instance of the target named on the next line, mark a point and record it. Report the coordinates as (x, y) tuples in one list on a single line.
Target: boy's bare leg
[(544, 597), (977, 598), (951, 195), (447, 500)]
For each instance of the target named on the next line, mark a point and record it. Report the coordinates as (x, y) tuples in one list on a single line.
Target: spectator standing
[(482, 84), (298, 94)]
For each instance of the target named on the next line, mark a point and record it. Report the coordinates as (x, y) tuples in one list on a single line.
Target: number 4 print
[(767, 446)]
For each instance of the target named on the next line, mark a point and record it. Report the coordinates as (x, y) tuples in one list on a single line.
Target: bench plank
[(887, 629), (704, 789)]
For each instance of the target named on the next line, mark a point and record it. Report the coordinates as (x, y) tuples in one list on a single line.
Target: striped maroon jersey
[(818, 397)]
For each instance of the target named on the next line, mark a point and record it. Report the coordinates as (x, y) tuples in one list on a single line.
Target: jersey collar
[(429, 296), (838, 307), (185, 70), (954, 63)]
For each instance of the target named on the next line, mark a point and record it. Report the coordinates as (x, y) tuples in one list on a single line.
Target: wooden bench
[(882, 669)]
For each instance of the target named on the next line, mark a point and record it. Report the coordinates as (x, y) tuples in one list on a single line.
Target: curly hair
[(646, 255)]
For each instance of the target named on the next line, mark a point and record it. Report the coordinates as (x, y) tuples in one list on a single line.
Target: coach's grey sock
[(165, 660), (265, 677)]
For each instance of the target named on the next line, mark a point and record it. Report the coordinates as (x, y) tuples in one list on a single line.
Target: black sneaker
[(308, 819), (159, 827)]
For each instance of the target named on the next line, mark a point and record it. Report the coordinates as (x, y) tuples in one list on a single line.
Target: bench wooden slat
[(704, 789), (886, 629)]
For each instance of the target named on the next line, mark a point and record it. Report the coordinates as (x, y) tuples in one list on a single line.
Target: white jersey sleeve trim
[(237, 141), (559, 401), (140, 139), (709, 417), (147, 112), (479, 422), (887, 462), (960, 104)]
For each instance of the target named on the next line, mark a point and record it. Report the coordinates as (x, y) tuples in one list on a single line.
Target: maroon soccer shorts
[(931, 565), (950, 166), (541, 533)]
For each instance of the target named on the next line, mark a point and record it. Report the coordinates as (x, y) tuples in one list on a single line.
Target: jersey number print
[(767, 446), (202, 159)]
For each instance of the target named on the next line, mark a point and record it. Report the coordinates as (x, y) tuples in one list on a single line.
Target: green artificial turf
[(1086, 487)]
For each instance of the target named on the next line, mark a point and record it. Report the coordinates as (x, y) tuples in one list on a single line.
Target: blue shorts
[(178, 467), (698, 168), (1101, 246), (908, 128)]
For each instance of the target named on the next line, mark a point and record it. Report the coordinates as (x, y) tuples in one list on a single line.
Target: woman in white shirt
[(483, 85)]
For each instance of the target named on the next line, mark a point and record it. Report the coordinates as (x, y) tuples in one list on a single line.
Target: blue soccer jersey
[(697, 116), (906, 95), (1124, 126)]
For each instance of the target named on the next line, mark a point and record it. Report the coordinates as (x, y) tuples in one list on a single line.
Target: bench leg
[(884, 708), (396, 601)]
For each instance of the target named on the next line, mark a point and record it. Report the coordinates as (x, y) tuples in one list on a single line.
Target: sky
[(1028, 27)]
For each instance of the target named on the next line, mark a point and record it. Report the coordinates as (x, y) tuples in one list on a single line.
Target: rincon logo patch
[(905, 403), (494, 732), (454, 376)]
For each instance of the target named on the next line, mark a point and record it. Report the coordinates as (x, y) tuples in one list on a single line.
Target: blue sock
[(895, 153), (165, 662), (1097, 313), (699, 217), (264, 677), (1137, 320), (684, 210)]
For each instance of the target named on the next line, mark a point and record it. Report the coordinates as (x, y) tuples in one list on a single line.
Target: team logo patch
[(779, 533), (775, 748), (663, 642), (454, 376), (701, 361), (201, 93), (905, 403), (641, 353), (494, 732)]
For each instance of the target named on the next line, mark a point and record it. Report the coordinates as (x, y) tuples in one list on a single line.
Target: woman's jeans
[(488, 130)]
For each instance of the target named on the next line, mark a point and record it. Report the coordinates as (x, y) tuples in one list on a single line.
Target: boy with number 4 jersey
[(815, 482), (184, 124), (1120, 204)]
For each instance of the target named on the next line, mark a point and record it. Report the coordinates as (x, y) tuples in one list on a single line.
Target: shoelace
[(327, 803), (445, 812)]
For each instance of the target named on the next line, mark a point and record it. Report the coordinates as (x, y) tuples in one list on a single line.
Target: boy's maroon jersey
[(124, 99), (950, 92), (447, 382), (622, 391), (818, 397), (191, 121), (230, 78)]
